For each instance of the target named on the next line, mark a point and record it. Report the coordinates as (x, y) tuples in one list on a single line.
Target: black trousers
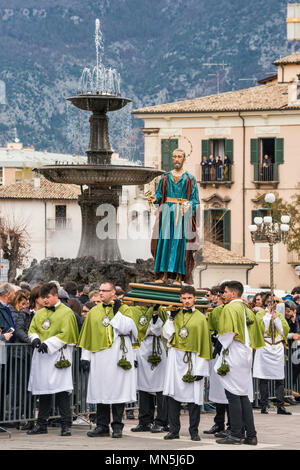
[(219, 419), (241, 415), (264, 393), (174, 416), (147, 408), (62, 401), (103, 416)]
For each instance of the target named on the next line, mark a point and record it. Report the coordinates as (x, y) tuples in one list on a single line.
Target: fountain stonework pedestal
[(103, 180)]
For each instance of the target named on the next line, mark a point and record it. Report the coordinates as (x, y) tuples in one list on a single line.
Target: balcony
[(266, 176), (293, 258), (216, 176), (59, 224)]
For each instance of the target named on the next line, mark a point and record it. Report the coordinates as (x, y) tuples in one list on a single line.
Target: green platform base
[(163, 294)]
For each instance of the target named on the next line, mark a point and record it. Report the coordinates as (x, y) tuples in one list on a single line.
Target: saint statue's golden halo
[(187, 155)]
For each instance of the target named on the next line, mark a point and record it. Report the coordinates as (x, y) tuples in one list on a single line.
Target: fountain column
[(99, 150)]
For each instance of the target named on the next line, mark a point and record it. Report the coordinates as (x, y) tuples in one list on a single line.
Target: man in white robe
[(235, 361), (269, 362), (150, 375), (106, 341), (53, 333), (187, 365)]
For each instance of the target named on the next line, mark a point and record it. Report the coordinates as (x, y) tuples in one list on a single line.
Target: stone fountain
[(100, 181)]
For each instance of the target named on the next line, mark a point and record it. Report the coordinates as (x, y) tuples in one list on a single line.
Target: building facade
[(258, 130)]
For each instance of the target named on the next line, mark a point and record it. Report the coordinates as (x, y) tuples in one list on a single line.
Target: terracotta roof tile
[(289, 59), (47, 190), (214, 254), (271, 96)]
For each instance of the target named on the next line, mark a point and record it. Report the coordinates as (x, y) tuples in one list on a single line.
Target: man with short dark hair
[(53, 334), (189, 353), (72, 289), (106, 341), (239, 333)]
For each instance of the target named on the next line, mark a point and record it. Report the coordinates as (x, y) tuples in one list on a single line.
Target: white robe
[(151, 380), (44, 377), (216, 390), (174, 386), (269, 361), (108, 383), (239, 379)]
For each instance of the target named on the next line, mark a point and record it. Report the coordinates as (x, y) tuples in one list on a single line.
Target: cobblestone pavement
[(275, 432)]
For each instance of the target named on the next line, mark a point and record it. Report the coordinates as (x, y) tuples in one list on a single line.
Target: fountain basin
[(105, 175), (99, 103)]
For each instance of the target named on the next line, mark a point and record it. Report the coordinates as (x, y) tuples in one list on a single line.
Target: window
[(217, 160), (217, 227), (167, 148), (266, 155), (60, 217)]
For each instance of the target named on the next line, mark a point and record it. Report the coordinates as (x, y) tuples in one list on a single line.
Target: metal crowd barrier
[(18, 405)]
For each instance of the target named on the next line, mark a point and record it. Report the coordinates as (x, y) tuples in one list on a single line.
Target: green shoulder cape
[(198, 337), (94, 335), (142, 317), (61, 323), (231, 320), (213, 317), (260, 315)]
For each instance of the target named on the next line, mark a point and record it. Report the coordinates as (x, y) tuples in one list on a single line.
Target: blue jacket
[(6, 321)]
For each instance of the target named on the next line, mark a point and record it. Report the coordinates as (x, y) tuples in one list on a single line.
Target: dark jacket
[(6, 321), (22, 323)]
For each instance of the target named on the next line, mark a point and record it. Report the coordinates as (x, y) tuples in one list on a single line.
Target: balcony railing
[(211, 174), (60, 223)]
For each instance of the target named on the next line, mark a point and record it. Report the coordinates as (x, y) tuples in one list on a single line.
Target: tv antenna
[(217, 73)]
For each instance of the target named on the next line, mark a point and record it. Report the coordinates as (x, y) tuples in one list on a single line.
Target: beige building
[(244, 125)]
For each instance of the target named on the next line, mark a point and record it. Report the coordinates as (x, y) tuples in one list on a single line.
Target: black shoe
[(157, 428), (213, 429), (99, 431), (282, 411), (229, 440), (196, 437), (27, 426), (264, 410), (130, 414), (251, 441), (171, 435), (66, 431), (141, 428), (38, 429), (117, 434), (222, 434)]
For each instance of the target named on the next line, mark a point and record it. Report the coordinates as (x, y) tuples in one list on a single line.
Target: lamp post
[(265, 228)]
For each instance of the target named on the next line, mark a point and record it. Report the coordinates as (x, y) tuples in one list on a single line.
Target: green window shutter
[(205, 148), (254, 157), (279, 151), (229, 149), (227, 229), (167, 148)]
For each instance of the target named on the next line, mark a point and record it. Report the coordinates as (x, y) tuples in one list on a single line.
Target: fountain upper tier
[(99, 103)]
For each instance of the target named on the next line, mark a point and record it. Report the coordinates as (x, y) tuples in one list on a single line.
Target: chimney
[(294, 92), (36, 182)]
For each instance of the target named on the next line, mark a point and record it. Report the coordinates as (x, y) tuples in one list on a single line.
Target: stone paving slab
[(275, 432)]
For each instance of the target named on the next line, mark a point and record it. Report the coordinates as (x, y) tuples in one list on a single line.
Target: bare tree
[(14, 243)]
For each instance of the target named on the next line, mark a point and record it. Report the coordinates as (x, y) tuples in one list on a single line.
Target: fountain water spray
[(99, 79)]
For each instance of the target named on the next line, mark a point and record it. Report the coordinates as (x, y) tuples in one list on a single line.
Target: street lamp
[(265, 228)]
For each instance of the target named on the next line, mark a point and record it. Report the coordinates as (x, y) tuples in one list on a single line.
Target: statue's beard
[(178, 166)]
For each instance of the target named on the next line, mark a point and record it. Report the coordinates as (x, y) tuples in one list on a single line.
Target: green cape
[(198, 339), (94, 336), (61, 323), (260, 315), (140, 311), (213, 317), (231, 320)]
